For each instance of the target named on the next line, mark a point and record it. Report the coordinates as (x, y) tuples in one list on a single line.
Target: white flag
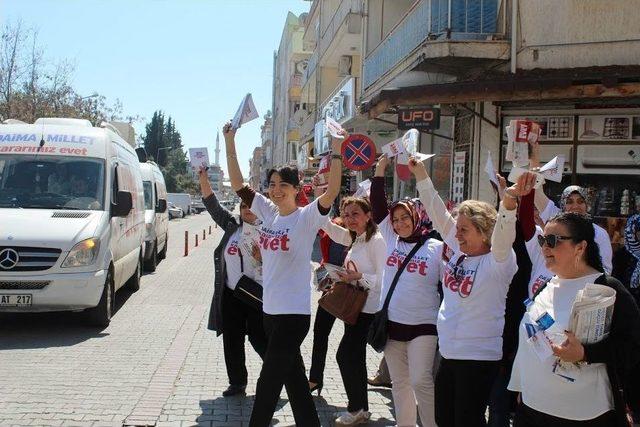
[(364, 189), (491, 170), (333, 127), (245, 113), (553, 170), (516, 172), (393, 148)]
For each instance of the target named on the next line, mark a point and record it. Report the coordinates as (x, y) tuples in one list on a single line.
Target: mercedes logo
[(8, 259)]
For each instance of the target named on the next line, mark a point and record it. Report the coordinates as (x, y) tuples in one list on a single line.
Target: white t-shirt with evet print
[(286, 243), (415, 300), (539, 272)]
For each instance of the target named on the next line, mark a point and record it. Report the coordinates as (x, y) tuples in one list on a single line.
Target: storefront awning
[(535, 85)]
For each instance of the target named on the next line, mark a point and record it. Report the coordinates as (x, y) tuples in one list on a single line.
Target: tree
[(163, 142)]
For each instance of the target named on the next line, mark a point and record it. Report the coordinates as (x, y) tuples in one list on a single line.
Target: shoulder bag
[(344, 301), (377, 336), (248, 290)]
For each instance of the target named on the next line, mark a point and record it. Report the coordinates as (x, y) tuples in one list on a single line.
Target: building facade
[(255, 168), (290, 62)]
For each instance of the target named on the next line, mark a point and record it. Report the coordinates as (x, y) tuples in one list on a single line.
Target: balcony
[(433, 29), (308, 126), (312, 64), (346, 20)]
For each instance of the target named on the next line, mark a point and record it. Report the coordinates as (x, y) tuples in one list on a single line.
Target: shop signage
[(421, 118)]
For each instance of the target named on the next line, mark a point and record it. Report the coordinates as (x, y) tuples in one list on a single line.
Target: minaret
[(217, 149)]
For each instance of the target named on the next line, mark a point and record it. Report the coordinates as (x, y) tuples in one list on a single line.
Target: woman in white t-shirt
[(563, 382), (475, 284), (365, 264), (287, 234), (413, 307)]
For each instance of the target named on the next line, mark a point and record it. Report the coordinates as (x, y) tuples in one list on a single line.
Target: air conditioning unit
[(344, 66)]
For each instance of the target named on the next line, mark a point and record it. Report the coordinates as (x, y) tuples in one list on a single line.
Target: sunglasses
[(551, 240)]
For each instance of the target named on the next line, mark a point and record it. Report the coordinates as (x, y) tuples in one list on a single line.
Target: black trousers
[(322, 326), (283, 366), (462, 392), (527, 417), (352, 361), (238, 320)]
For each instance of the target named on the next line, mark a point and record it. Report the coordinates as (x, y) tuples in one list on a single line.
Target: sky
[(193, 59)]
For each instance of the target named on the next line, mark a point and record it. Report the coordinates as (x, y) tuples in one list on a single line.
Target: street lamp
[(92, 104)]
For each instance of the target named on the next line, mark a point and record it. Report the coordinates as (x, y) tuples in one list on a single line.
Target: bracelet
[(232, 155), (336, 157)]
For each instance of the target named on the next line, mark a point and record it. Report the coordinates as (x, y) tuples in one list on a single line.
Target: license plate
[(11, 300)]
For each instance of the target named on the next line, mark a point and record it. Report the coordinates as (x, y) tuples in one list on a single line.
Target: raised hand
[(228, 131), (381, 166), (524, 185), (418, 169)]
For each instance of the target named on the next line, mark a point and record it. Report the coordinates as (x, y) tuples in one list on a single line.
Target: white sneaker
[(353, 418)]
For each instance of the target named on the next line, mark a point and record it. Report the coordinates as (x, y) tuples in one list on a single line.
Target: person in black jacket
[(578, 384), (230, 316)]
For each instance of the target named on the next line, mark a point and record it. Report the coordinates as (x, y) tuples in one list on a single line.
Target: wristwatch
[(336, 156)]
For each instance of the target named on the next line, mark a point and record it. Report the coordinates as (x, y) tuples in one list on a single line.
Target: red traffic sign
[(358, 152)]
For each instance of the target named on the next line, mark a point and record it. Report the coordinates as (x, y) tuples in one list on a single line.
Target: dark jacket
[(229, 223)]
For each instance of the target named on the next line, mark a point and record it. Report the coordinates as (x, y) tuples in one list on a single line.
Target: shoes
[(353, 418), (317, 387), (234, 390), (377, 382)]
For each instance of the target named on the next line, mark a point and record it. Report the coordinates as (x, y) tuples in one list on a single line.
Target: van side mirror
[(142, 154), (123, 205), (161, 207)]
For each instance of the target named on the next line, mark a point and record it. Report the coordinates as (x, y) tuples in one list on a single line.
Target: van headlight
[(82, 254)]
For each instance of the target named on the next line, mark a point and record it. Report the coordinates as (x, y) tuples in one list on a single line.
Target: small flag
[(333, 127), (246, 112), (553, 170), (491, 171)]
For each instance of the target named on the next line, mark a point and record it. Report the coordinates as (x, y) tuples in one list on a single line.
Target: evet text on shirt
[(275, 240)]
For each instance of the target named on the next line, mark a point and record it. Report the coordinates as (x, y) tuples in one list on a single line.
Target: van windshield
[(49, 182), (148, 195)]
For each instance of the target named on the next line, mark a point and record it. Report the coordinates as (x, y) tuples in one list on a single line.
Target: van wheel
[(163, 253), (133, 284), (100, 315), (151, 264)]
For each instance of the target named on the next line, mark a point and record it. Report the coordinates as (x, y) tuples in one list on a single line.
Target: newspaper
[(591, 313), (250, 238)]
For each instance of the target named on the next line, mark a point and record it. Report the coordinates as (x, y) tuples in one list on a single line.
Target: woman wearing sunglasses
[(584, 387), (572, 199), (287, 235), (475, 284), (413, 308)]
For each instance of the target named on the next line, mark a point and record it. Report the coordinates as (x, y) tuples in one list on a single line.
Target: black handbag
[(248, 290), (377, 336)]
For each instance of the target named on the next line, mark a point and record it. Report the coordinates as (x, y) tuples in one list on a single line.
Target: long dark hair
[(366, 208), (580, 227)]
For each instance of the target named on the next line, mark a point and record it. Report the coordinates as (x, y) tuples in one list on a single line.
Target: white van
[(156, 216), (71, 217)]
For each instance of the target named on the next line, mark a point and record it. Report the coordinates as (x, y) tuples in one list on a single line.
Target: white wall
[(578, 33)]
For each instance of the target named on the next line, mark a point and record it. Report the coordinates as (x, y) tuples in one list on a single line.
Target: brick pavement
[(156, 362)]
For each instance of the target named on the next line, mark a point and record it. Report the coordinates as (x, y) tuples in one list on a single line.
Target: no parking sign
[(358, 152)]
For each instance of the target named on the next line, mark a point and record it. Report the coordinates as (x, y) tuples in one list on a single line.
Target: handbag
[(344, 301), (377, 336), (248, 290)]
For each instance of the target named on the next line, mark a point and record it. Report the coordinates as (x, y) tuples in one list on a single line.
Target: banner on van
[(198, 157)]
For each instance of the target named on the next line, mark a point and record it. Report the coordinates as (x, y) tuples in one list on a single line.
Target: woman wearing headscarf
[(413, 308), (471, 317), (573, 199)]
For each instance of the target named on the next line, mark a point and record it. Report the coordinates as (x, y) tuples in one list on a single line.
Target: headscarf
[(569, 191), (421, 223), (632, 244)]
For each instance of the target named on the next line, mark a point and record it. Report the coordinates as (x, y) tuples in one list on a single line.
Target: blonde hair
[(481, 214)]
